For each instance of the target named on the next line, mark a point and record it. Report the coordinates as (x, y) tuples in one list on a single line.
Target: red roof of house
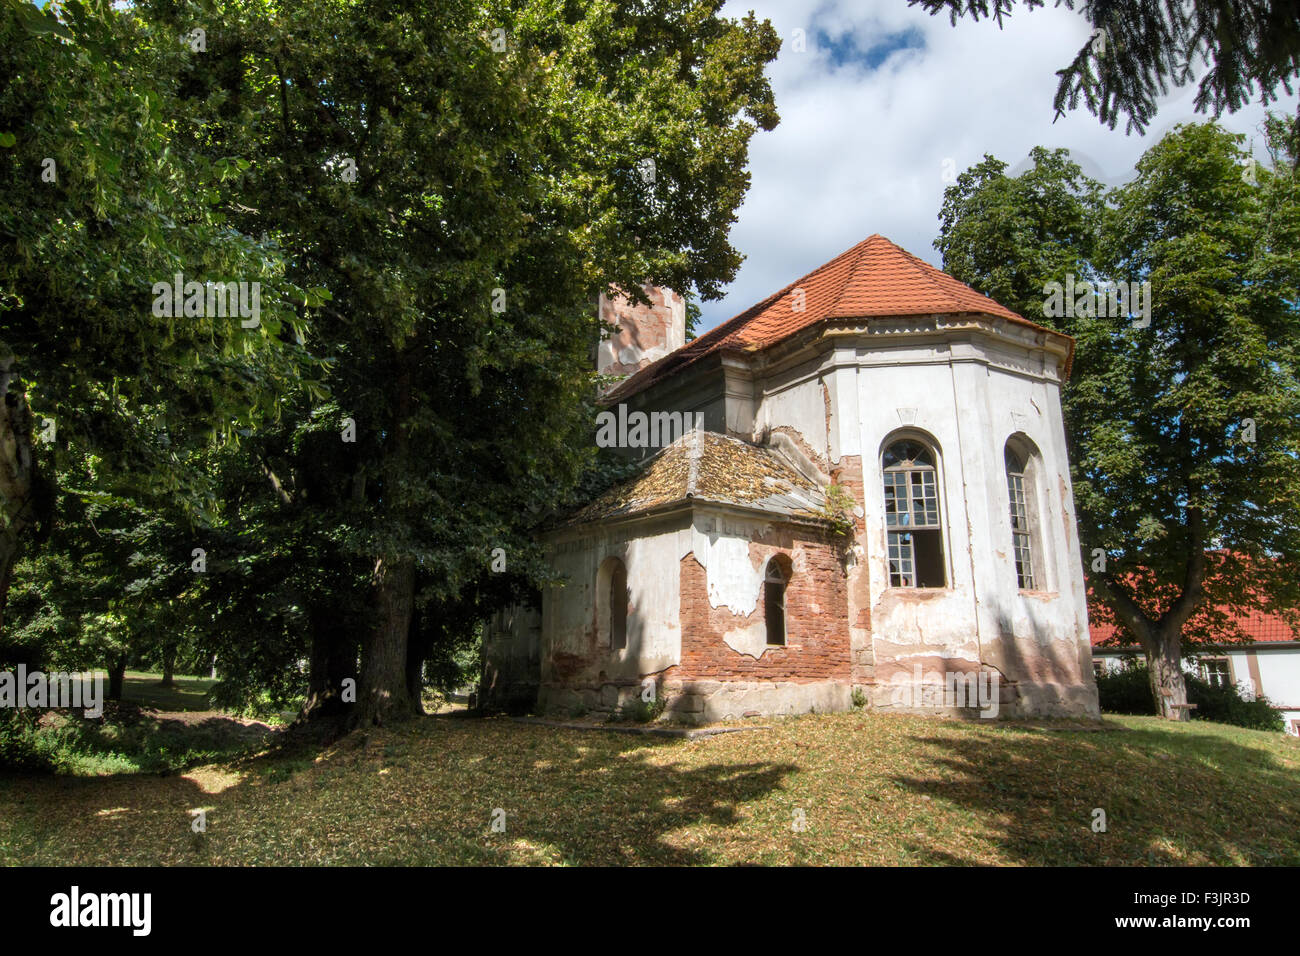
[(874, 278), (1259, 626), (1232, 577)]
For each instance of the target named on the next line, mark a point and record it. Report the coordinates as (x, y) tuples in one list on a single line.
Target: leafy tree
[(464, 181), (1184, 432), (98, 203), (1139, 48)]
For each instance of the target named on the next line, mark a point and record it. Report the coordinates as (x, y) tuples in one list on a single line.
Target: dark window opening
[(774, 604), (618, 607)]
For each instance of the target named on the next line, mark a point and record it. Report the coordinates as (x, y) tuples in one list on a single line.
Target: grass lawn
[(873, 789), (189, 694)]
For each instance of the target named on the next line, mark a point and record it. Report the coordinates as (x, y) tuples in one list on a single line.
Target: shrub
[(1128, 691), (21, 745), (647, 711), (1225, 705)]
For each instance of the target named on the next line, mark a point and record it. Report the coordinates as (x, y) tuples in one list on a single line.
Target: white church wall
[(1038, 637), (798, 405), (932, 627), (574, 653)]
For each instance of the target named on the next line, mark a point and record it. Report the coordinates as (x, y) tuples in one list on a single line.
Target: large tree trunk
[(1162, 638), (117, 677), (382, 696), (417, 650), (169, 666), (8, 557), (333, 661), (1165, 668)]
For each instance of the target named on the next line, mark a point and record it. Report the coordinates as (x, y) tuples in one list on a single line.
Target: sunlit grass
[(855, 789)]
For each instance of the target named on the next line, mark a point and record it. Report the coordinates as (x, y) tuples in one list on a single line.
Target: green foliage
[(1161, 415), (444, 235), (839, 507), (127, 206), (1139, 48), (1225, 705), (1128, 691), (647, 711), (122, 741)]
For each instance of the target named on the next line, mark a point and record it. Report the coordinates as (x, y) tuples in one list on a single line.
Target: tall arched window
[(1023, 500), (611, 604), (774, 584), (618, 607), (912, 516)]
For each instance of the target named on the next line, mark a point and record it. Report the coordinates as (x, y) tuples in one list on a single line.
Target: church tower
[(645, 333)]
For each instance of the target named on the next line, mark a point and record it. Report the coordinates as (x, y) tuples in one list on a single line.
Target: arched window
[(618, 607), (611, 604), (912, 516), (774, 584), (1023, 500)]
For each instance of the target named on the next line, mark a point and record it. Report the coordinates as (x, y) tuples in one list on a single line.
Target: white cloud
[(861, 151)]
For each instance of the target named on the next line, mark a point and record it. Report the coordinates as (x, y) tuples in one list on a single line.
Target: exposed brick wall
[(817, 636), (848, 473), (645, 333)]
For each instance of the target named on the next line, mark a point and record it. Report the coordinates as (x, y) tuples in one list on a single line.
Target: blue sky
[(880, 98)]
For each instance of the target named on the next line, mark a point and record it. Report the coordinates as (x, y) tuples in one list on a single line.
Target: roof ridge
[(693, 457), (776, 296), (862, 250), (926, 271)]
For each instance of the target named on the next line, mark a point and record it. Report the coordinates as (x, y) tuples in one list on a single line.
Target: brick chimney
[(645, 333)]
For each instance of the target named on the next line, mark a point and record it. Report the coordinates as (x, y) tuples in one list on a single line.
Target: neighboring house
[(1268, 663), (863, 494)]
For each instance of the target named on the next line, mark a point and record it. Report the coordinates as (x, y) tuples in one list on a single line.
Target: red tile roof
[(874, 278), (1233, 615), (1260, 627)]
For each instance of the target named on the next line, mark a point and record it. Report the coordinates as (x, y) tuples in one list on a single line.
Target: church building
[(854, 493)]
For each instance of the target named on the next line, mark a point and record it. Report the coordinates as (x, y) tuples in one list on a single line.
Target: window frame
[(1029, 541), (776, 574), (907, 475), (1020, 487), (1203, 671), (607, 577)]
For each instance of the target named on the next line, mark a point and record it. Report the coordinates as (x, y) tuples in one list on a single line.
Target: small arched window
[(1024, 517), (618, 607), (912, 516), (611, 604), (774, 584)]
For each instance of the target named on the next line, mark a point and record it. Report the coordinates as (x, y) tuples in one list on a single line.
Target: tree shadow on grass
[(586, 797), (424, 793), (1170, 797)]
